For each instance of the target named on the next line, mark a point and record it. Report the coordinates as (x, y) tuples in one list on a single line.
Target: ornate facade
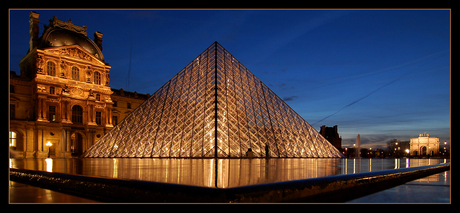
[(424, 145), (61, 103)]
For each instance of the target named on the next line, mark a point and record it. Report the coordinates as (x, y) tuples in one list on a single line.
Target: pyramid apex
[(216, 43)]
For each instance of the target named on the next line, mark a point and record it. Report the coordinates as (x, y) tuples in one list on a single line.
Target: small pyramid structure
[(214, 107)]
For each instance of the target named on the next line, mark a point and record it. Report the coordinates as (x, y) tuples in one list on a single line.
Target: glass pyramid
[(214, 107)]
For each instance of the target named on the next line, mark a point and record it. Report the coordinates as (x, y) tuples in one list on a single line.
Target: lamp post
[(445, 148), (49, 144)]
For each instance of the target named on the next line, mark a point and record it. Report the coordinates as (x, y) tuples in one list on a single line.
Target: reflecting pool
[(202, 172)]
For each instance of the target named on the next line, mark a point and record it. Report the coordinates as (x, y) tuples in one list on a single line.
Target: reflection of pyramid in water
[(213, 102)]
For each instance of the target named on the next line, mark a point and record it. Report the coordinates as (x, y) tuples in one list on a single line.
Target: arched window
[(51, 68), (77, 114), (97, 78), (75, 73)]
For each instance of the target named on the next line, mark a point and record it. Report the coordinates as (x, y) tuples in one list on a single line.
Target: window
[(52, 90), (114, 120), (98, 118), (13, 140), (51, 68), (77, 114), (12, 111), (114, 103), (75, 73), (11, 88), (129, 106), (98, 97), (97, 78), (52, 113)]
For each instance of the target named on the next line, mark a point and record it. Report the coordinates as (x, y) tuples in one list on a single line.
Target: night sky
[(383, 74)]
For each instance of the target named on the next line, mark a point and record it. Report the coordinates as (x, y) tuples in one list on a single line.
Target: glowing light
[(49, 164), (115, 168)]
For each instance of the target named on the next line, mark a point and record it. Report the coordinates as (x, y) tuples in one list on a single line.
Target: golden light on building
[(424, 145), (63, 93)]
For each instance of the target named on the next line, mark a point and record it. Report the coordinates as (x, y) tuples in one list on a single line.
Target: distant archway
[(423, 151)]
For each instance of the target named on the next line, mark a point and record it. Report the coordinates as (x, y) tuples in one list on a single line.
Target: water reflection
[(202, 172), (49, 164)]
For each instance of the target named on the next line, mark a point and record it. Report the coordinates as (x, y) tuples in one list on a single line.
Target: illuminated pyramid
[(214, 107)]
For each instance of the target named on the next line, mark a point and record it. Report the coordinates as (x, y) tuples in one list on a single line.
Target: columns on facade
[(108, 116), (65, 111), (40, 143), (41, 108), (91, 114), (29, 141), (68, 144), (65, 142), (40, 139), (44, 110), (90, 133)]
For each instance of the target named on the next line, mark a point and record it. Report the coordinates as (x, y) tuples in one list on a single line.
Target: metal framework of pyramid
[(214, 107)]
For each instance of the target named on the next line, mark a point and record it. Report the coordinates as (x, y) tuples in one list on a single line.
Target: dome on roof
[(57, 37)]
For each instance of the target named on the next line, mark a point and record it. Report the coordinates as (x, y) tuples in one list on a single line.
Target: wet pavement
[(23, 193), (432, 189)]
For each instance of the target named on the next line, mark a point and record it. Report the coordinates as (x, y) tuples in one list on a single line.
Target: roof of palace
[(60, 33)]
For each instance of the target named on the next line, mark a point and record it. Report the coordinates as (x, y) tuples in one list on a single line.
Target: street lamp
[(445, 148), (49, 144)]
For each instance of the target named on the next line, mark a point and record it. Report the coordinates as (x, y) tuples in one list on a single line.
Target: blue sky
[(380, 73)]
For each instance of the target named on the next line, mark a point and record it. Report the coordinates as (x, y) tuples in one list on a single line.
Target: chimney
[(33, 29), (98, 39), (323, 130)]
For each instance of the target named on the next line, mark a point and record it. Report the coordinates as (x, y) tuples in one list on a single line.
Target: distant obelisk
[(358, 147)]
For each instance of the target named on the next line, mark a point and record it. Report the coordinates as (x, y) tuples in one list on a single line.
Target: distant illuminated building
[(214, 107), (424, 145)]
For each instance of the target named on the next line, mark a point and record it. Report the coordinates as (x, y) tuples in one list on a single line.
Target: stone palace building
[(62, 103)]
